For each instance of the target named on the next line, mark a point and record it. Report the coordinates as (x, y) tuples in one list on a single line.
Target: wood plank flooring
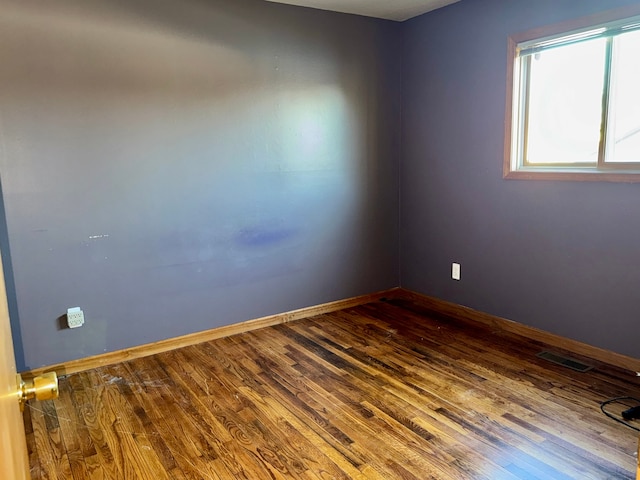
[(387, 390)]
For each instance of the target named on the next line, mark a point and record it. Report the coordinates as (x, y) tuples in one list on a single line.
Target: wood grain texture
[(13, 446), (638, 460), (140, 351), (432, 303), (560, 343), (385, 390)]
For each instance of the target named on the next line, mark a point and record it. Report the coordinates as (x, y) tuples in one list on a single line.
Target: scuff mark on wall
[(260, 236)]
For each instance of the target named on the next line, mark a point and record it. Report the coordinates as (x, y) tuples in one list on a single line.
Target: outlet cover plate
[(455, 271), (75, 317)]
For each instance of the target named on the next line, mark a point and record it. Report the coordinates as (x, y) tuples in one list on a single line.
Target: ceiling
[(390, 9)]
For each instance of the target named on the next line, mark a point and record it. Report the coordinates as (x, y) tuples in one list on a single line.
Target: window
[(573, 109)]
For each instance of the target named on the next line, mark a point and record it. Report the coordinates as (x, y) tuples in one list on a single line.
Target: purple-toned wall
[(171, 166), (177, 165), (560, 256)]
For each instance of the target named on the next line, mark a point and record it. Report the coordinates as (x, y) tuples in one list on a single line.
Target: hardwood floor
[(387, 390)]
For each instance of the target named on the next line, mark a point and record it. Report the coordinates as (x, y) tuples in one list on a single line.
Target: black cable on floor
[(613, 417)]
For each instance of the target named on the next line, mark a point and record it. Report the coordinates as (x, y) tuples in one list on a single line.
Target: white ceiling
[(390, 9)]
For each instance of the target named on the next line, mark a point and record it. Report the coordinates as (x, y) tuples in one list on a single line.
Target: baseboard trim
[(557, 341), (123, 355), (432, 303)]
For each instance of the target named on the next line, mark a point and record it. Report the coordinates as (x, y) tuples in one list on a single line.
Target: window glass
[(565, 104), (575, 100), (623, 140)]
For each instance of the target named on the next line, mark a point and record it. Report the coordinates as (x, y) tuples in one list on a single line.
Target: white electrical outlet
[(455, 271), (75, 317)]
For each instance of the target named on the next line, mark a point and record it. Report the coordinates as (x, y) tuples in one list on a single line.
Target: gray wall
[(172, 166), (559, 256), (175, 165)]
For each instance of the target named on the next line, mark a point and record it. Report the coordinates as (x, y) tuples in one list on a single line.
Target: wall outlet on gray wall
[(75, 317), (455, 271)]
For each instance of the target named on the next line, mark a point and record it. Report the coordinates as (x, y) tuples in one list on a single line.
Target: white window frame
[(604, 24)]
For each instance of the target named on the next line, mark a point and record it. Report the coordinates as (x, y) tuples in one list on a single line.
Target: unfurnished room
[(319, 239)]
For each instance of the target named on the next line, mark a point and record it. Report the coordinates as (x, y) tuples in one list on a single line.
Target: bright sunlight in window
[(575, 103), (623, 132)]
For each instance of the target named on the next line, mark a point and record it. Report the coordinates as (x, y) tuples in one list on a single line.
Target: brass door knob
[(42, 387)]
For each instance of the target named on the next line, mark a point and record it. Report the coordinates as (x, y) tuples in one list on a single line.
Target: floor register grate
[(564, 361)]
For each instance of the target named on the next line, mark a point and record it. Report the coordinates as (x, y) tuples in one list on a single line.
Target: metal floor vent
[(564, 361)]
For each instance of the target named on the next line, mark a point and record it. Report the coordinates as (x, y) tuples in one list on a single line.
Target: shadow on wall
[(7, 269), (157, 162)]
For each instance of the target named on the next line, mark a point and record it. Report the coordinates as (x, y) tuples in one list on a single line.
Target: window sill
[(574, 175)]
